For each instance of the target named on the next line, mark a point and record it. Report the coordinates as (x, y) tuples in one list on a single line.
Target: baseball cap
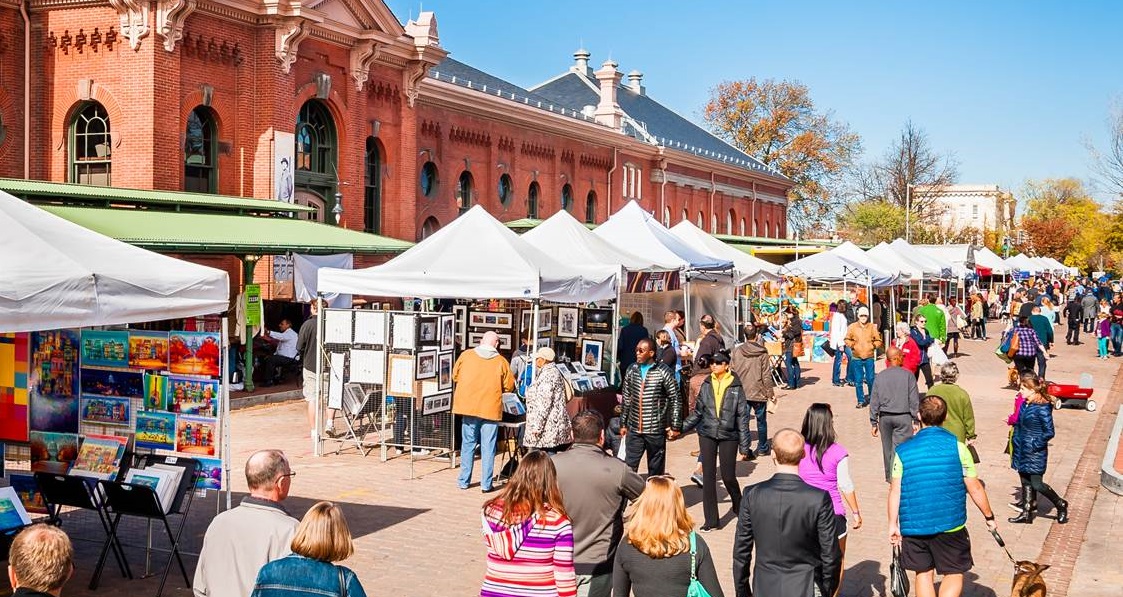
[(545, 353), (863, 311)]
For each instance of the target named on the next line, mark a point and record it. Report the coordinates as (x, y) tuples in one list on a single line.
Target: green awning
[(179, 232), (38, 191), (526, 224)]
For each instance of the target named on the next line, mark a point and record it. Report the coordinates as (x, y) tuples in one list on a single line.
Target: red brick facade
[(257, 63)]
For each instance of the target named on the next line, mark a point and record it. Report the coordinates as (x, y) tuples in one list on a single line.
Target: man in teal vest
[(932, 475)]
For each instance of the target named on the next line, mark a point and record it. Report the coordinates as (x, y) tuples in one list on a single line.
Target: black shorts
[(840, 525), (953, 335), (948, 553)]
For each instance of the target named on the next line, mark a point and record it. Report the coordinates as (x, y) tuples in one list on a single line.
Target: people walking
[(721, 416), (652, 410), (1025, 344), (960, 419), (480, 377), (910, 352), (933, 474), (924, 340), (547, 420), (1033, 428), (893, 407), (1103, 334), (309, 352), (708, 344), (934, 319), (1116, 311), (837, 341), (1089, 308), (826, 466), (751, 363), (1042, 325), (792, 334), (322, 538), (595, 488), (955, 317), (792, 527), (1073, 314), (630, 335), (528, 535), (864, 340), (978, 318)]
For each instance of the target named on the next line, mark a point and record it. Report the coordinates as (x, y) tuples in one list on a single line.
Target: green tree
[(871, 222)]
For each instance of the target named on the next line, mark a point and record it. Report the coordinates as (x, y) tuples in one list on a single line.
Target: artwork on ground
[(148, 350), (188, 396), (53, 452), (28, 492), (53, 381), (102, 382), (155, 391), (196, 435), (13, 387), (108, 410), (105, 348), (194, 353), (211, 477), (155, 430)]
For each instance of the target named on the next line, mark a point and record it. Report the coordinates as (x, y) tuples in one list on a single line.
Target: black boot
[(1028, 509), (1060, 503)]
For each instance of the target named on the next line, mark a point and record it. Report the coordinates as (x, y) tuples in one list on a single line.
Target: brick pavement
[(421, 536)]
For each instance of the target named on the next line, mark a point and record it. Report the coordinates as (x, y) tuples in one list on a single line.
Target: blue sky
[(1012, 89)]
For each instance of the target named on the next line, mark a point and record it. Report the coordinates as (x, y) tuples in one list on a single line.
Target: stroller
[(1078, 393)]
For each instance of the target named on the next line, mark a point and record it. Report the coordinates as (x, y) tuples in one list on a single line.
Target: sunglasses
[(922, 321), (289, 474)]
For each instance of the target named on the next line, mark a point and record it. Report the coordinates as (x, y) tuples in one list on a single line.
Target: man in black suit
[(793, 527)]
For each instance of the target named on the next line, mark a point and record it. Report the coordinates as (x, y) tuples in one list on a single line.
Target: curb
[(264, 399), (1111, 478)]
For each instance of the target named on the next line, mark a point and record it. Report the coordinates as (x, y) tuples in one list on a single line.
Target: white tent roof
[(632, 228), (915, 266), (57, 274), (569, 241), (851, 251), (749, 269), (956, 256), (475, 256), (986, 258), (834, 266), (1022, 262), (933, 265)]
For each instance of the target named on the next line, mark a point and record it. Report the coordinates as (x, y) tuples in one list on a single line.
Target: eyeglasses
[(288, 474)]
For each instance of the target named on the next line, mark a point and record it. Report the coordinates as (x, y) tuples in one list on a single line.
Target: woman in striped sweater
[(528, 535)]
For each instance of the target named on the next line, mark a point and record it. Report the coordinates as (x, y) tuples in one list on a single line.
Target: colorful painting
[(100, 382), (28, 492), (53, 381), (13, 387), (100, 455), (102, 348), (211, 475), (155, 430), (148, 350), (196, 435), (108, 410), (195, 353), (53, 452), (155, 392), (192, 396)]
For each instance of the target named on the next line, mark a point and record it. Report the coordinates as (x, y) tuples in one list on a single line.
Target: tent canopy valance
[(747, 269), (476, 257), (59, 274), (633, 229)]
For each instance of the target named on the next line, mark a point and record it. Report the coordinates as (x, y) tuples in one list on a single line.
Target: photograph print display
[(427, 331), (448, 336), (567, 322), (439, 403), (426, 364), (400, 375), (486, 319), (460, 315), (403, 332), (148, 350), (444, 370), (597, 321), (591, 353), (545, 319), (475, 337), (53, 381), (105, 348)]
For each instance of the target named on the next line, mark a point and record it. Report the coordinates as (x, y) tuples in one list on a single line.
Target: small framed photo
[(426, 364), (460, 314), (427, 332), (444, 370), (543, 341), (506, 342), (599, 382), (475, 337), (432, 405), (591, 353), (545, 319), (597, 321), (525, 317), (486, 319), (447, 327), (567, 322), (401, 375)]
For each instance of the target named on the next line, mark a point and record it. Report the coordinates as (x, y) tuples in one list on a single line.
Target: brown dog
[(1013, 378), (1027, 579)]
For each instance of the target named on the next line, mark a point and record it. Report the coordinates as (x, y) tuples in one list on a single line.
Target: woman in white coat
[(837, 341)]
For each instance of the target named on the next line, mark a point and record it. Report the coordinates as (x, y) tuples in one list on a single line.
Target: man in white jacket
[(837, 341)]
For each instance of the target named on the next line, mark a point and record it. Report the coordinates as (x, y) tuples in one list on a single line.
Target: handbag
[(797, 349), (773, 402), (695, 589), (936, 355), (1014, 345), (898, 578), (830, 350), (342, 582)]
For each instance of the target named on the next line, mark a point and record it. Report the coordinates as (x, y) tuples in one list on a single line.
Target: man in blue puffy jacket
[(932, 475)]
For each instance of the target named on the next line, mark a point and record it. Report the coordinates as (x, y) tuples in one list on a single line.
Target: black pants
[(275, 362), (1042, 362), (926, 369), (1088, 323), (636, 444), (1025, 364), (980, 327), (713, 451), (1038, 484), (1073, 334)]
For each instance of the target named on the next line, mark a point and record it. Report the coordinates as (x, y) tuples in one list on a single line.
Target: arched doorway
[(317, 159)]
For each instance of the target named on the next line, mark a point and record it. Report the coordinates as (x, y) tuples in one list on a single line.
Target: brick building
[(386, 133)]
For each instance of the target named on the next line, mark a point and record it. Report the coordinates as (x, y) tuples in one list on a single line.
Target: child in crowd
[(1103, 333)]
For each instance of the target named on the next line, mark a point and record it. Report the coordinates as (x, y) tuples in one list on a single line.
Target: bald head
[(894, 356), (41, 559), (490, 339), (264, 468), (787, 447)]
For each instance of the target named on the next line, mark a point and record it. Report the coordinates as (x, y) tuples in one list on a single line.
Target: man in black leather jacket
[(652, 410)]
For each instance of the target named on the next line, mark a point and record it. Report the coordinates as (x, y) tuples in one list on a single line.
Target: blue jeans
[(863, 374), (837, 369), (1117, 338), (760, 411), (849, 364), (476, 431), (791, 366)]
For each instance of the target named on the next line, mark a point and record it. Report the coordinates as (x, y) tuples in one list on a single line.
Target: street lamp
[(337, 209)]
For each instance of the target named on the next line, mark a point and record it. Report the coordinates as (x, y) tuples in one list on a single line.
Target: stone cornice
[(726, 189)]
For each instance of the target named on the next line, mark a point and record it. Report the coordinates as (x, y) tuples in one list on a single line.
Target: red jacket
[(912, 355)]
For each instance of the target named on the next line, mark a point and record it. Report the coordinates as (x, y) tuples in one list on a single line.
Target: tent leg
[(533, 341), (317, 449), (224, 409), (615, 362)]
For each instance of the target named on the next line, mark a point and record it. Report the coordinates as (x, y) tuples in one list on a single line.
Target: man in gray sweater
[(595, 488), (894, 406)]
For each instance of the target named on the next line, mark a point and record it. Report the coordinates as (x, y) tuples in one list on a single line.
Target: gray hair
[(949, 372), (902, 328), (264, 466)]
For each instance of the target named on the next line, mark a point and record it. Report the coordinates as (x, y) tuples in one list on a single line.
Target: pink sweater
[(532, 558)]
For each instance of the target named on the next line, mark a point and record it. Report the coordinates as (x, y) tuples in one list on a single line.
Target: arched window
[(742, 233), (200, 162), (372, 187), (315, 139), (310, 199), (667, 217), (91, 146), (591, 207), (428, 227), (532, 201), (464, 191), (567, 197), (429, 179), (713, 223), (767, 232), (506, 189), (685, 216), (729, 217), (701, 221)]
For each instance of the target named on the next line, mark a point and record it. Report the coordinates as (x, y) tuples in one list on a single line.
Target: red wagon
[(1065, 392)]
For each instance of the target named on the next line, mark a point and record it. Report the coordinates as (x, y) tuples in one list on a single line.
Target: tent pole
[(612, 370), (316, 448), (533, 340), (247, 334), (224, 398)]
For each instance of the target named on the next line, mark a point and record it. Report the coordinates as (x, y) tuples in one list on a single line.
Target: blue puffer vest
[(933, 495)]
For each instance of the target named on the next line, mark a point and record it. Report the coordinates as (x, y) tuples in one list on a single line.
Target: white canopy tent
[(956, 256), (1024, 263), (477, 257), (57, 274), (833, 267), (568, 240), (933, 265), (885, 256), (747, 269), (632, 228)]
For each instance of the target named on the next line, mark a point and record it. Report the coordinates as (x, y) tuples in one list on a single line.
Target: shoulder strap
[(693, 552)]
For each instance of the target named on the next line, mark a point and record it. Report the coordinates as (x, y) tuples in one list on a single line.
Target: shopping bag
[(898, 578), (829, 350), (1001, 354), (773, 402), (797, 349), (936, 355)]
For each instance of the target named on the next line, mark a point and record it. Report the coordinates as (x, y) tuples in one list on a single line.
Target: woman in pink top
[(826, 465)]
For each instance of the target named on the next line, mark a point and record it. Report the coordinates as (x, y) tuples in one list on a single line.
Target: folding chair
[(360, 409), (132, 499), (777, 362), (81, 492)]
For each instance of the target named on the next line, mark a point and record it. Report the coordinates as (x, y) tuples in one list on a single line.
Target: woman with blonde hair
[(660, 553), (528, 535), (321, 539)]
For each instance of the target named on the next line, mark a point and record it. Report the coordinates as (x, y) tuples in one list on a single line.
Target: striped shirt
[(530, 559)]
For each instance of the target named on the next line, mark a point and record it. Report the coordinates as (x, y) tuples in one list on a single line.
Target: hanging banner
[(253, 304), (653, 281)]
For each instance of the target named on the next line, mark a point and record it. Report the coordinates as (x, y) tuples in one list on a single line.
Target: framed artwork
[(155, 391), (195, 353), (404, 333), (485, 319), (567, 322), (545, 319), (190, 396), (591, 353), (155, 430), (370, 327), (426, 364), (427, 330), (448, 336), (597, 321), (53, 381), (107, 410), (444, 370), (211, 477), (460, 314), (53, 452), (196, 435), (127, 384), (543, 341), (401, 375), (148, 350), (525, 317), (105, 348), (432, 405), (475, 337), (565, 349), (14, 410)]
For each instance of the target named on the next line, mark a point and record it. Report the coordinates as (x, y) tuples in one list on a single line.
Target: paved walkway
[(421, 536)]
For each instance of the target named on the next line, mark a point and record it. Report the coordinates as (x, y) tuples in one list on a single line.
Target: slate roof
[(646, 119)]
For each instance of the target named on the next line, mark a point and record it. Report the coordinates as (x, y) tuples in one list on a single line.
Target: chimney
[(635, 82), (581, 62), (608, 110)]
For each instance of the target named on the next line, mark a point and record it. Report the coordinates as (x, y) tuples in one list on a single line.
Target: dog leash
[(1002, 544)]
